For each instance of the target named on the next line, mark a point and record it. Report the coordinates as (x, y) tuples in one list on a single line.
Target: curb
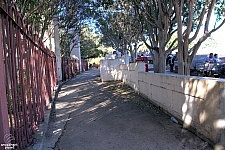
[(39, 135)]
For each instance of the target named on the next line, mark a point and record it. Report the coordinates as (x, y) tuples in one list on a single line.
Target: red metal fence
[(71, 67), (27, 79), (84, 64)]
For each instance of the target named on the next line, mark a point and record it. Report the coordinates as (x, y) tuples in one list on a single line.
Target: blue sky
[(219, 37)]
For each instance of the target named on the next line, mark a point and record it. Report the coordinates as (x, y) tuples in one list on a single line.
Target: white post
[(57, 48), (75, 48)]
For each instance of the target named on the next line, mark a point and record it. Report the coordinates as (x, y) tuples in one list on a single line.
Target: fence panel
[(84, 64), (28, 77), (70, 67)]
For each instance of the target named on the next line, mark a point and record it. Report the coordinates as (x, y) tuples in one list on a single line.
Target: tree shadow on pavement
[(90, 114)]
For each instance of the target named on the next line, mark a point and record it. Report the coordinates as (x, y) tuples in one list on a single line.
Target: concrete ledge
[(198, 102)]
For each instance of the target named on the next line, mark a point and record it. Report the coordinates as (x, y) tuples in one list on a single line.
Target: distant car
[(146, 59)]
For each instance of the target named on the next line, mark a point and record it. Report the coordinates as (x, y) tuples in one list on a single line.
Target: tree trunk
[(156, 62), (187, 60), (180, 38), (162, 62), (161, 57), (187, 68), (135, 50), (132, 56), (180, 61)]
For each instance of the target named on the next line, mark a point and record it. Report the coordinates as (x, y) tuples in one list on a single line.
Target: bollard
[(146, 67)]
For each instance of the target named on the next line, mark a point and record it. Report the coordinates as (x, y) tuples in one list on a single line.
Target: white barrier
[(197, 102)]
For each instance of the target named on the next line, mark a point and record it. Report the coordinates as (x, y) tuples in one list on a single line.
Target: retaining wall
[(197, 102)]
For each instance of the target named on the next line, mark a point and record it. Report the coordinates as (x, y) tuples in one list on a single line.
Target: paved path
[(91, 115)]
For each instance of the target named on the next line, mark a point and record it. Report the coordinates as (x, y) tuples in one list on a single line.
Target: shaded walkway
[(91, 115)]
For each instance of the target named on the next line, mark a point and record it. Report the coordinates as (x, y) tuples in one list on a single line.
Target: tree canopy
[(158, 21), (38, 14), (163, 25), (90, 44)]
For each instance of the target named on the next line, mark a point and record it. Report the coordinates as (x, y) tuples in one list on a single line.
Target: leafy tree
[(38, 14), (173, 43), (129, 28), (89, 41), (122, 23), (158, 24), (73, 15), (163, 18), (119, 27), (192, 15), (109, 31)]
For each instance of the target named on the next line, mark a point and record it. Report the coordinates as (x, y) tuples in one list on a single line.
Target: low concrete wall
[(109, 67), (197, 102)]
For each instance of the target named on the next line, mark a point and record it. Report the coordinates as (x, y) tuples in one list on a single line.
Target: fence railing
[(71, 67), (84, 64), (27, 79)]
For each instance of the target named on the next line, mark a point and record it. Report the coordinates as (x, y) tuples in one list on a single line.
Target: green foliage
[(219, 10), (172, 39), (90, 44), (198, 7), (65, 44), (109, 31), (95, 60), (119, 22), (118, 25), (210, 43), (175, 44), (72, 17), (37, 14)]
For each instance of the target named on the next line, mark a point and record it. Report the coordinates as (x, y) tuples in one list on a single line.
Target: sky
[(219, 37)]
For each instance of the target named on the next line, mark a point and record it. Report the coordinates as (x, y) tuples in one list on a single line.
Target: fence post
[(4, 123)]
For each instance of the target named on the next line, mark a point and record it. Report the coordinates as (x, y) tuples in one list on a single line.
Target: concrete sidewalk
[(91, 115)]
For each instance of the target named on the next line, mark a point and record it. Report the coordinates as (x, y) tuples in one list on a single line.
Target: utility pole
[(57, 48)]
